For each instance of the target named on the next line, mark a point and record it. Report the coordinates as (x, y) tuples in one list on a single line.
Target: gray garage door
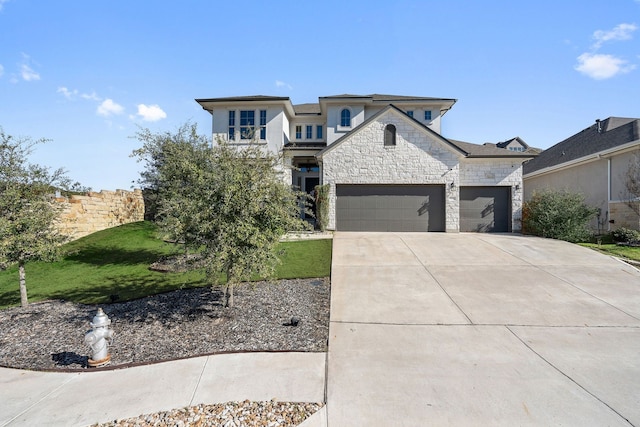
[(485, 209), (390, 207)]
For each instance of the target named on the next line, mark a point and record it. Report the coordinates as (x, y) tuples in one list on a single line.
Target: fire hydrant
[(97, 339)]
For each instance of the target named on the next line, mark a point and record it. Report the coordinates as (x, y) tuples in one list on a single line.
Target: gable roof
[(391, 107), (489, 151), (509, 141), (602, 136), (466, 149)]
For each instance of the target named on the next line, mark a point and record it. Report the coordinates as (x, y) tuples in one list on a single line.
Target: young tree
[(27, 216), (228, 202), (632, 185)]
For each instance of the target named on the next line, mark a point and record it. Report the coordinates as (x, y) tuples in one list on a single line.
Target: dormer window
[(389, 136), (345, 117), (427, 116)]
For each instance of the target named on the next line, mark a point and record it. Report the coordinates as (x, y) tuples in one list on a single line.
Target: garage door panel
[(390, 207), (485, 209)]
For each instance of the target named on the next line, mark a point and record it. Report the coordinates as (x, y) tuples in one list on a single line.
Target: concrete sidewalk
[(475, 329), (78, 399)]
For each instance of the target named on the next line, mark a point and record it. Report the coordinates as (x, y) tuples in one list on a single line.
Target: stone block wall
[(623, 216), (83, 215)]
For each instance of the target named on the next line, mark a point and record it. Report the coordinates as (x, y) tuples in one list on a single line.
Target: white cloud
[(2, 2), (151, 113), (280, 83), (66, 92), (619, 32), (1, 70), (108, 108), (26, 72), (601, 66), (90, 96)]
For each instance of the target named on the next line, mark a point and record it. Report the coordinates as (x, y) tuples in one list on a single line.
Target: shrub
[(322, 206), (558, 215), (625, 235)]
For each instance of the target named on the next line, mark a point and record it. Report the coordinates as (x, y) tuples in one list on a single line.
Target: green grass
[(627, 252), (115, 262)]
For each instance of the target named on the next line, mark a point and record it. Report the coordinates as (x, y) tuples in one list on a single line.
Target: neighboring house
[(593, 162), (388, 166), (515, 144)]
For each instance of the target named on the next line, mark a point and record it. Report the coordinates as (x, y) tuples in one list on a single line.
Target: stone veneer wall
[(497, 172), (83, 215), (623, 216), (417, 158)]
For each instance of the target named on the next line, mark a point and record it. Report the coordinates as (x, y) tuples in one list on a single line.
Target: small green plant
[(558, 215), (625, 235)]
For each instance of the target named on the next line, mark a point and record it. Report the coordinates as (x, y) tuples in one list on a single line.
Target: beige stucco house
[(387, 164), (593, 162)]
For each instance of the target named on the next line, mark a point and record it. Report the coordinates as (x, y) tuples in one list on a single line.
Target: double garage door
[(419, 208), (390, 207)]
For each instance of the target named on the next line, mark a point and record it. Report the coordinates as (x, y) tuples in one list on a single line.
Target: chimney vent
[(599, 123)]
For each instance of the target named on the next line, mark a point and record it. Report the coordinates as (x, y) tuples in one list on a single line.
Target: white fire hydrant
[(97, 339)]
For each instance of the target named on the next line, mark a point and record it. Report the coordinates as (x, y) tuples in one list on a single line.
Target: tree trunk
[(230, 296), (23, 285)]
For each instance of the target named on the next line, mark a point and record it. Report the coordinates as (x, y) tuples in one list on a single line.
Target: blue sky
[(85, 74)]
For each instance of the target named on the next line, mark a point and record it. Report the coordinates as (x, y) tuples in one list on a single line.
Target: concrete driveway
[(476, 329)]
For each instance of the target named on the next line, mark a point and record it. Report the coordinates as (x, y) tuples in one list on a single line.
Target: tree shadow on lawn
[(115, 289), (100, 256)]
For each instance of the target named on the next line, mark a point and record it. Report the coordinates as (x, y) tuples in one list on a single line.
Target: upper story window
[(309, 132), (263, 124), (247, 123), (345, 117), (232, 125), (427, 115), (298, 132), (319, 132), (389, 136), (410, 113)]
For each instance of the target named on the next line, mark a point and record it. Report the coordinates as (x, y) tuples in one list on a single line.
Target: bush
[(625, 235), (322, 206), (557, 215)]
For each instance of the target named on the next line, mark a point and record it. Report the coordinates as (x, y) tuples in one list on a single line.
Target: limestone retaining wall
[(83, 215)]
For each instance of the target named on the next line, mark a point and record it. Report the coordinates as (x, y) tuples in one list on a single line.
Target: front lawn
[(113, 265), (626, 252)]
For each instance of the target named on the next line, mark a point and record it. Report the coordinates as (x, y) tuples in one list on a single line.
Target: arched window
[(345, 117), (389, 135)]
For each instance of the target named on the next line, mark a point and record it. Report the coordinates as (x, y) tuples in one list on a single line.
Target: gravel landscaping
[(49, 335)]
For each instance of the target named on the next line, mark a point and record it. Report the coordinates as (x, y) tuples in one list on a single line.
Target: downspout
[(608, 192)]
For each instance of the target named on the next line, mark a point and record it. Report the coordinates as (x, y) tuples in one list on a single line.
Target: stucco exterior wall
[(417, 158), (496, 172), (334, 130), (619, 167), (589, 179)]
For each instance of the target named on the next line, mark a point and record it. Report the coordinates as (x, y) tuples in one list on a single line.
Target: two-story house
[(387, 164)]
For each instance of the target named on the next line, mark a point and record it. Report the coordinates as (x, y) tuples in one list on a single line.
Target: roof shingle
[(614, 131)]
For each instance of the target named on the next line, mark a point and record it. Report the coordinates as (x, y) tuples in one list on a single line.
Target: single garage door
[(367, 207), (485, 209)]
